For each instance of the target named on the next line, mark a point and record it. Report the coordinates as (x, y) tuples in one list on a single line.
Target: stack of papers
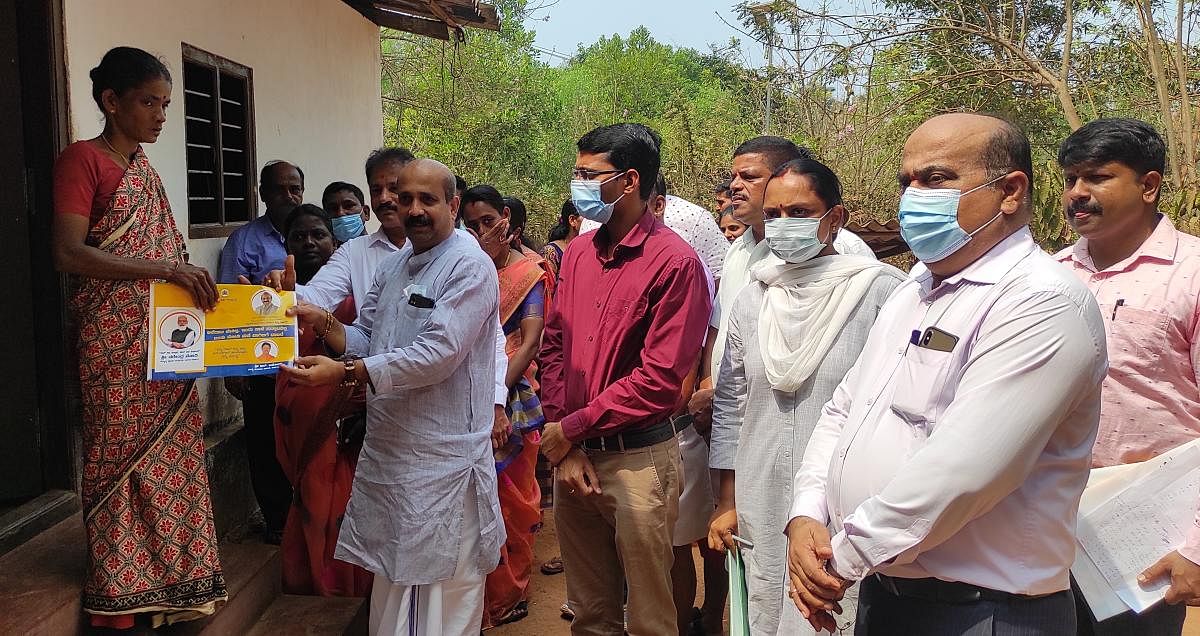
[(1130, 517)]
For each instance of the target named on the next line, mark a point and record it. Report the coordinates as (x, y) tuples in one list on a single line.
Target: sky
[(565, 24)]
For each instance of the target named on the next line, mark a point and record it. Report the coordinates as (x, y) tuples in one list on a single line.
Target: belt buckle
[(611, 443)]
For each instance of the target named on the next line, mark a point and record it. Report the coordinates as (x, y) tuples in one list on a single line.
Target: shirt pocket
[(920, 380), (1141, 333), (415, 314), (622, 313)]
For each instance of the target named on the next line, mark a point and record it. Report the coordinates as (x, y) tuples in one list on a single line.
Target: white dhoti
[(453, 607), (696, 497)]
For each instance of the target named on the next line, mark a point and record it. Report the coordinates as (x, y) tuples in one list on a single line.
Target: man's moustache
[(417, 221), (1089, 207)]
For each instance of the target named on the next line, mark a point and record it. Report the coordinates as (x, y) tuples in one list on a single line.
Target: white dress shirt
[(849, 243), (964, 465), (351, 270), (743, 253)]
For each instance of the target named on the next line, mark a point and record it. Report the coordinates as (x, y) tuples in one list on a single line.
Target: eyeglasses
[(589, 175)]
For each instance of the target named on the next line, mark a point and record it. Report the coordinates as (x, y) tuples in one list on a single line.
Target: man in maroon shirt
[(624, 330)]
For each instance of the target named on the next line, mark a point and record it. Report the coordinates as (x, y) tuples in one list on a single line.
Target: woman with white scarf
[(794, 332)]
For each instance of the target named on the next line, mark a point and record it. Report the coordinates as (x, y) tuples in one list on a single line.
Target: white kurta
[(761, 433), (429, 419)]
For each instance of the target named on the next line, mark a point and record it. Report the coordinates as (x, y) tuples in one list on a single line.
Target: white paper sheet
[(1103, 484), (1130, 517)]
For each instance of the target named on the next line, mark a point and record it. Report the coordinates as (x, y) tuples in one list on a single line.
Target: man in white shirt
[(753, 163), (953, 454), (351, 269), (423, 514)]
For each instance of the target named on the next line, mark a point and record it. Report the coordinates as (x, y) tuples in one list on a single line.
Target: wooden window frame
[(194, 55)]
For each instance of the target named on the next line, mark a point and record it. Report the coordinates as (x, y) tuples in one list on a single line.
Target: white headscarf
[(804, 309)]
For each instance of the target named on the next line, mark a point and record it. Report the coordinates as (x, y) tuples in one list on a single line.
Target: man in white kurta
[(423, 514)]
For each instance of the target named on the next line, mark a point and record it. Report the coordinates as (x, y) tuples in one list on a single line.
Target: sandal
[(553, 566), (518, 612)]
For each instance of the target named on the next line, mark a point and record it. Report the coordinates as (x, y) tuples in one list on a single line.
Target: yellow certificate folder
[(247, 334)]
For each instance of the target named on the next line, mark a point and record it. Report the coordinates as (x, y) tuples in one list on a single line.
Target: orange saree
[(321, 470), (152, 547), (520, 498)]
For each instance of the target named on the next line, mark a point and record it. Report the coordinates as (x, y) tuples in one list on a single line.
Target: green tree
[(495, 113)]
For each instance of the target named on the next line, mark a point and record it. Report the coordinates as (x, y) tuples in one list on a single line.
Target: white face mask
[(794, 239)]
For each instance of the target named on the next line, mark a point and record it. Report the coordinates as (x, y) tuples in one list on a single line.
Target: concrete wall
[(316, 91)]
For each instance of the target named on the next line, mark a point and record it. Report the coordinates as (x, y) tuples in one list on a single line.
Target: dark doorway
[(35, 455)]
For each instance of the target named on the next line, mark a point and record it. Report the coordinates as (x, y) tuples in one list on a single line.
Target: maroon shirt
[(624, 332)]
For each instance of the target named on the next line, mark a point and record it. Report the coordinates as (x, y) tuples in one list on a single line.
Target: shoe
[(566, 612)]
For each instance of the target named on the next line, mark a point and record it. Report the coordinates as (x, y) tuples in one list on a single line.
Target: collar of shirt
[(634, 238), (424, 258), (264, 227), (987, 269), (745, 241), (1162, 245), (745, 247), (379, 237)]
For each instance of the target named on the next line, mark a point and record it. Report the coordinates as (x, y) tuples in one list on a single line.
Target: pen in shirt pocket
[(1120, 303)]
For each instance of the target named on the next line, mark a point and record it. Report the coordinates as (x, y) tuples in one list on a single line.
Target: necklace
[(115, 152)]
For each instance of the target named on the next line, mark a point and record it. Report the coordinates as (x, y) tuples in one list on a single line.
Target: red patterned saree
[(152, 547)]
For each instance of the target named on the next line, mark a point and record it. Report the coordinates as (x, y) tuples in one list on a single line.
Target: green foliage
[(496, 114), (492, 110)]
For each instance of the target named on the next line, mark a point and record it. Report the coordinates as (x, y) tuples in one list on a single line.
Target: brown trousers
[(622, 536)]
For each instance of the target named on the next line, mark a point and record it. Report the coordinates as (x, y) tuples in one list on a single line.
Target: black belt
[(640, 438), (939, 591)]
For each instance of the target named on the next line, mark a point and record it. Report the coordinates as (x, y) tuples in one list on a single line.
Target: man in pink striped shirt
[(1146, 277)]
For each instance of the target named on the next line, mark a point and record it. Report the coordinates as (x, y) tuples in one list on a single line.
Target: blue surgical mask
[(794, 239), (929, 221), (347, 227), (585, 194)]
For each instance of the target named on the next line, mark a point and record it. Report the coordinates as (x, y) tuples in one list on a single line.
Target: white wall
[(316, 82), (316, 90)]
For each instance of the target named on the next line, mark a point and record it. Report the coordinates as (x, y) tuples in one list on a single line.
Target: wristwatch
[(349, 379)]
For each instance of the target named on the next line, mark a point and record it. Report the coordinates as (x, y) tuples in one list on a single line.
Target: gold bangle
[(328, 326)]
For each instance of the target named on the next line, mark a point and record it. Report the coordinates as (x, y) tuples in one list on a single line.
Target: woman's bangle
[(174, 270), (328, 326)]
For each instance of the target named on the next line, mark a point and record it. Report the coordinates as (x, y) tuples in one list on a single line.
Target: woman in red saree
[(526, 286), (318, 433), (152, 548)]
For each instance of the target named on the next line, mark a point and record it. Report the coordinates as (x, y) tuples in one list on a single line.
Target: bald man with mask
[(423, 514), (951, 458)]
